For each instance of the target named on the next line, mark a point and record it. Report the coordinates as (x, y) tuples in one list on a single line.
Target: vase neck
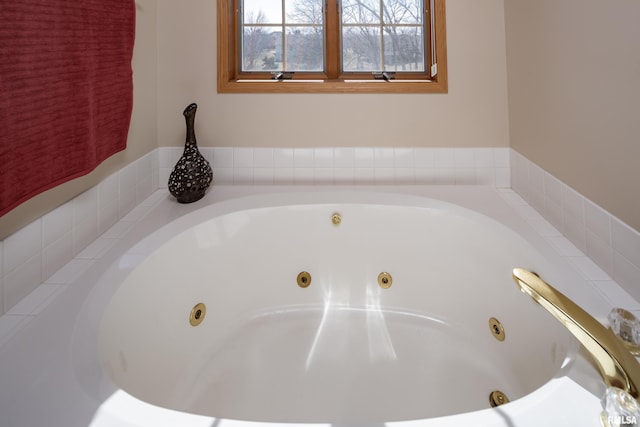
[(191, 133)]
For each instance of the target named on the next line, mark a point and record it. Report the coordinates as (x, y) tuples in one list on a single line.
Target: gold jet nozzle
[(616, 364)]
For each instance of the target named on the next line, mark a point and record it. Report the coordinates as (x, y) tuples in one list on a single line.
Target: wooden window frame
[(231, 80)]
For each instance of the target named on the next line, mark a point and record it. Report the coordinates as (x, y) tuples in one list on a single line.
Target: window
[(306, 46)]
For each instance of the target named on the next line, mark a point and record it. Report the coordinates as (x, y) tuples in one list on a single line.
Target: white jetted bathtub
[(367, 310), (389, 307)]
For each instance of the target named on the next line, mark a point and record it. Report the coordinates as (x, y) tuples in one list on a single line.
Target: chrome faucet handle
[(619, 408), (626, 326)]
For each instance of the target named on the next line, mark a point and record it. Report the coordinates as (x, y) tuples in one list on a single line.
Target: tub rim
[(103, 388)]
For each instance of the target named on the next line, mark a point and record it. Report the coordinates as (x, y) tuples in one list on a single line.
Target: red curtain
[(66, 91)]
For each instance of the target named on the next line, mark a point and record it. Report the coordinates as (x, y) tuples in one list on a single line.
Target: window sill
[(331, 86)]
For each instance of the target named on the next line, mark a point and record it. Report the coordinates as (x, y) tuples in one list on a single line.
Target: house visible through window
[(331, 46)]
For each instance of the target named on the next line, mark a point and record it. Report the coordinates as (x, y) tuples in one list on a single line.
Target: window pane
[(403, 49), (261, 49), (403, 12), (361, 49), (304, 12), (263, 29), (304, 49), (262, 11), (361, 11), (389, 41)]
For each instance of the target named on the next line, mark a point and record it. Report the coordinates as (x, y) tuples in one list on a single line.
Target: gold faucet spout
[(618, 367)]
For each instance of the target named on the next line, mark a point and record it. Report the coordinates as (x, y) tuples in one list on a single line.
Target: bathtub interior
[(342, 350)]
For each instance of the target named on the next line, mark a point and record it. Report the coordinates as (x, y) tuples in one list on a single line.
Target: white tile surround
[(612, 245), (40, 260), (347, 165)]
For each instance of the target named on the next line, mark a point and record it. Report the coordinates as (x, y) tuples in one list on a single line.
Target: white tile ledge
[(499, 167)]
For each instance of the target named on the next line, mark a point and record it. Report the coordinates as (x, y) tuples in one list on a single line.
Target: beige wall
[(574, 95), (174, 64), (573, 105), (472, 114), (142, 132)]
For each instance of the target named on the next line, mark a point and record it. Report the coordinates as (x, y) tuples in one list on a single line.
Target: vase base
[(190, 198)]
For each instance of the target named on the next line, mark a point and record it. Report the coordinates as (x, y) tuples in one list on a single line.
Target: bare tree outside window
[(289, 41), (305, 36), (377, 35), (256, 41), (383, 35)]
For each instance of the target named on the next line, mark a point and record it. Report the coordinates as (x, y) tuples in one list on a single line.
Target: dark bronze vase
[(192, 175)]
